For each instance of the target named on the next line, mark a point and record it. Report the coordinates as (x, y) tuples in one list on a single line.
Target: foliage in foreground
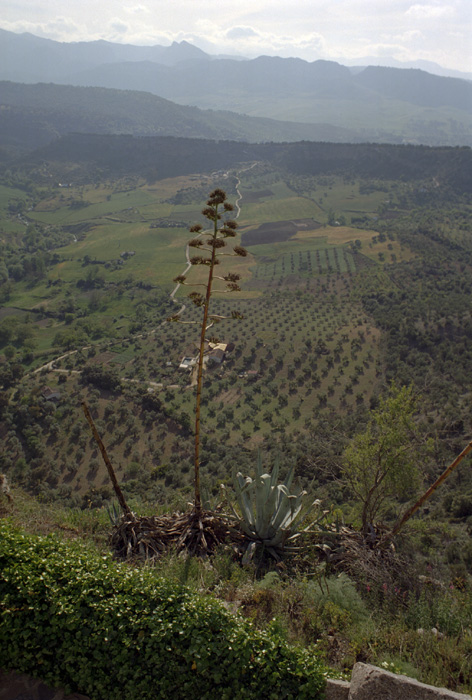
[(83, 622)]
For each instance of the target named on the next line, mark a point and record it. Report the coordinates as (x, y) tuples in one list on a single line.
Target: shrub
[(79, 620), (269, 511), (339, 591)]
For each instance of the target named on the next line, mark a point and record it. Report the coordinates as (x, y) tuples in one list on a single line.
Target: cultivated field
[(304, 347)]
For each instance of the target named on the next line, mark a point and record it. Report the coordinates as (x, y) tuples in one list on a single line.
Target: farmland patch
[(278, 231), (346, 234), (250, 197), (103, 358), (306, 262)]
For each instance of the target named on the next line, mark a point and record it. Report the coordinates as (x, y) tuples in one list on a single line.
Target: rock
[(337, 690), (437, 633), (372, 683)]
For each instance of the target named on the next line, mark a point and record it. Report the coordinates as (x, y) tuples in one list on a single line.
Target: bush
[(81, 621)]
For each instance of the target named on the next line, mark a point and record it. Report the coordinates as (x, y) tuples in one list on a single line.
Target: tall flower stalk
[(212, 243)]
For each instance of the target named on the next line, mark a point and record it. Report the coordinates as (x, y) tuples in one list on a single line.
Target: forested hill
[(160, 157), (34, 115)]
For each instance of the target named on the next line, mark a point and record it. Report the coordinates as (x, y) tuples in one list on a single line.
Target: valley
[(351, 282), (90, 270), (235, 350)]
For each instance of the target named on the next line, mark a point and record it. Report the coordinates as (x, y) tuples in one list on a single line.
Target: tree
[(9, 351), (101, 376), (381, 463)]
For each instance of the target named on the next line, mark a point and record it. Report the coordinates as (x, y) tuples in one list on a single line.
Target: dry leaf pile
[(197, 533)]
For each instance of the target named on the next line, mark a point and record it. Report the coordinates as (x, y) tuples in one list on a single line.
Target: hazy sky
[(404, 29)]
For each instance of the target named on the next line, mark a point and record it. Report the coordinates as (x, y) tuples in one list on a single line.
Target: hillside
[(358, 272), (341, 356), (94, 262), (35, 115)]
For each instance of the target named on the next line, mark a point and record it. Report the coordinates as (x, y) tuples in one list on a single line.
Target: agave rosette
[(269, 511)]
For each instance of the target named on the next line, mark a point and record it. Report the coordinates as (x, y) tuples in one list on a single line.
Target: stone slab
[(337, 690), (373, 683)]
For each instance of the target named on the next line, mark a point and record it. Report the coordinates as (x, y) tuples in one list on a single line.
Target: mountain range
[(370, 103)]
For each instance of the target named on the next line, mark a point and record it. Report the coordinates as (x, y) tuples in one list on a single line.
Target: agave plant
[(214, 244), (268, 510)]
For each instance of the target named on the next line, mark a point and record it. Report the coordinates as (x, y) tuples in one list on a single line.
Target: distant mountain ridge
[(21, 48), (389, 62), (277, 77), (28, 58), (370, 104)]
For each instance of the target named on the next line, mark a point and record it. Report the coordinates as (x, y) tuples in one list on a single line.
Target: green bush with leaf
[(83, 622), (381, 463)]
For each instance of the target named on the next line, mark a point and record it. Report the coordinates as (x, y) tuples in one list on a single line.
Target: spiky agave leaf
[(266, 508), (241, 487)]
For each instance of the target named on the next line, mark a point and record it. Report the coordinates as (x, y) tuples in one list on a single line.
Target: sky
[(432, 30)]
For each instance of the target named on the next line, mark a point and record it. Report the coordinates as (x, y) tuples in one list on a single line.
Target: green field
[(93, 294), (125, 238)]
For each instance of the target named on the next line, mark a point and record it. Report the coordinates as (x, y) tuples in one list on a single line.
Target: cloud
[(240, 32), (252, 42), (136, 9), (119, 27), (430, 11), (411, 35), (58, 29), (412, 39)]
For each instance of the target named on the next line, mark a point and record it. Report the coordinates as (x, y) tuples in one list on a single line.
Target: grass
[(37, 517), (10, 193), (278, 210), (346, 198), (120, 221)]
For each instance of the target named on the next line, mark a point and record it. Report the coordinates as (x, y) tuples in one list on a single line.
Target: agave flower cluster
[(211, 245)]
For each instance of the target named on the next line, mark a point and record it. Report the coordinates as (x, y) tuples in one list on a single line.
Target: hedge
[(83, 622)]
